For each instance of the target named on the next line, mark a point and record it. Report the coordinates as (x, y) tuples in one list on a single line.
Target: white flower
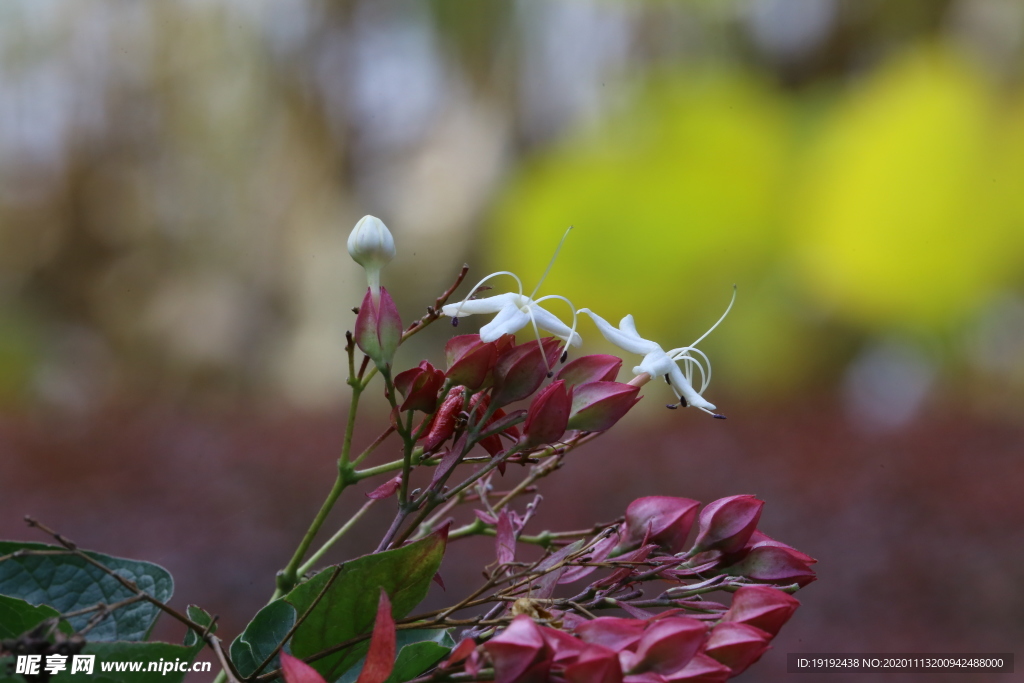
[(660, 363), (514, 310), (371, 245)]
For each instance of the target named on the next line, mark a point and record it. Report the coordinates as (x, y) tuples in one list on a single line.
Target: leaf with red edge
[(380, 660)]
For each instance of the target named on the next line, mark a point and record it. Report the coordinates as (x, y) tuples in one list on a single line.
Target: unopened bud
[(371, 245), (737, 645), (727, 523)]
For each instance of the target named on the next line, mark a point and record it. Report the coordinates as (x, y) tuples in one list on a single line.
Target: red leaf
[(297, 671), (463, 650), (506, 538), (380, 660), (439, 581), (386, 489)]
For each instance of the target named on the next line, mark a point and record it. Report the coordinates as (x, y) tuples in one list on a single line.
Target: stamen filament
[(469, 296), (712, 328), (550, 264)]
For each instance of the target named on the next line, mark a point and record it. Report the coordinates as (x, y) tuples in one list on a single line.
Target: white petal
[(550, 322), (628, 325), (625, 340), (491, 304), (657, 364), (683, 387), (509, 320)]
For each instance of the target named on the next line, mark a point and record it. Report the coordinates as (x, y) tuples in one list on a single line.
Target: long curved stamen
[(458, 307), (690, 362), (540, 343), (550, 264), (712, 328), (575, 318), (683, 352)]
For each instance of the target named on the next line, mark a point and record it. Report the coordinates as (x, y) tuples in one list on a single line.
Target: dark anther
[(682, 401), (551, 373), (667, 381), (355, 310), (565, 355), (455, 322), (672, 406), (718, 416)]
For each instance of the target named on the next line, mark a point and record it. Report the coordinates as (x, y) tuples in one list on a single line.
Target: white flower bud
[(370, 245)]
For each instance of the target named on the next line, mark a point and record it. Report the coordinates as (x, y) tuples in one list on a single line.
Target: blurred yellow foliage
[(900, 221), (894, 206)]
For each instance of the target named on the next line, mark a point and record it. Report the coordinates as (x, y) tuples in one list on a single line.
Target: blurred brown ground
[(918, 533)]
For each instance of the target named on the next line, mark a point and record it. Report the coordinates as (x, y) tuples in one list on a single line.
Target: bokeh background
[(177, 181)]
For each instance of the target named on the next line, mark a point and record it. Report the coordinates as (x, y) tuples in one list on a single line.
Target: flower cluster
[(664, 648), (527, 403), (633, 600)]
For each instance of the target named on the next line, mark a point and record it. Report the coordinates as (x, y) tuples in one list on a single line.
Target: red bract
[(443, 422), (611, 632), (380, 659), (297, 671), (701, 669), (564, 646), (459, 345), (463, 650), (505, 538), (521, 370), (773, 564), (419, 386), (386, 489), (378, 327), (668, 645), (759, 538), (736, 645), (519, 653), (664, 520), (763, 607), (595, 368), (727, 523), (596, 664), (597, 406), (548, 415), (470, 360)]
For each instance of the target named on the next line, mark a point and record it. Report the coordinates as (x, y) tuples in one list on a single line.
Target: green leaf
[(67, 583), (18, 616), (349, 607), (270, 625), (201, 617), (418, 650)]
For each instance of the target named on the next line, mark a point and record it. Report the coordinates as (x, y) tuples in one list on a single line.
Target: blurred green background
[(177, 181)]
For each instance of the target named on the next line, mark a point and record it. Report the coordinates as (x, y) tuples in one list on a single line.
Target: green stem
[(315, 557), (289, 576)]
